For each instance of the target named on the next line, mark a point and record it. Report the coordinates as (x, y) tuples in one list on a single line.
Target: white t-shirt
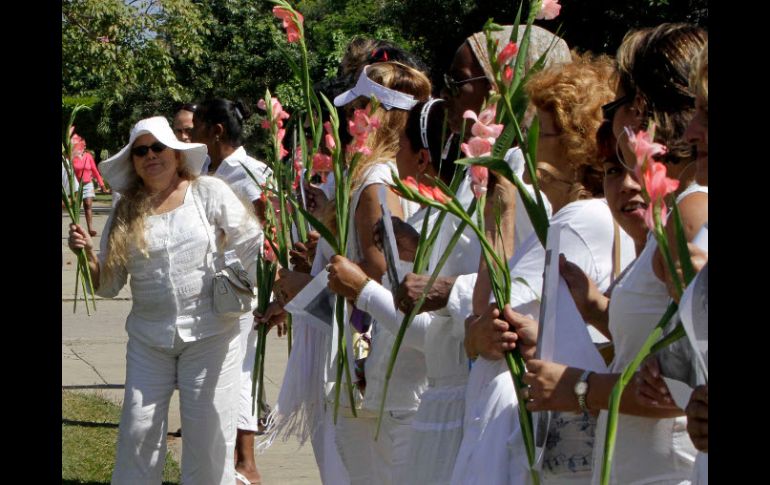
[(492, 451), (232, 172)]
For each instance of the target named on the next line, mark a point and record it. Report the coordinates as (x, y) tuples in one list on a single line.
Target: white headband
[(424, 122), (389, 98)]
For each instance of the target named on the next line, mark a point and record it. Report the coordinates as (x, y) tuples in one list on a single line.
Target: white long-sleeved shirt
[(172, 288)]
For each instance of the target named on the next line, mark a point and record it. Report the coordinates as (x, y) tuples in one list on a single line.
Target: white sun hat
[(119, 171), (388, 98)]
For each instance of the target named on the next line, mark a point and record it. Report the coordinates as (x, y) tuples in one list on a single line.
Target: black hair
[(191, 107), (231, 114), (436, 116)]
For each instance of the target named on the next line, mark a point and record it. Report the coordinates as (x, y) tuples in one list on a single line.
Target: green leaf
[(504, 142), (532, 137)]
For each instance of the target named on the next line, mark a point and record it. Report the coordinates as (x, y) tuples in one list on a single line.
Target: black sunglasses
[(142, 150), (609, 109), (454, 86)]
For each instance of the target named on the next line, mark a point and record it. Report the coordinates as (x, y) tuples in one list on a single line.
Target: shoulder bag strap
[(206, 225)]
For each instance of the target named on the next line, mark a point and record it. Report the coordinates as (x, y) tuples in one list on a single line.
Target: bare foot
[(92, 233)]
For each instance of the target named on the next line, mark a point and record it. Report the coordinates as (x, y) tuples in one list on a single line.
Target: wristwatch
[(581, 390)]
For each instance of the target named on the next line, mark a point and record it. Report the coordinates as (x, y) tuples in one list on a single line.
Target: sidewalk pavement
[(94, 360)]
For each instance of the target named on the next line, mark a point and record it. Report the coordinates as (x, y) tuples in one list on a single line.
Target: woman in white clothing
[(218, 123), (568, 99), (680, 358), (162, 233), (652, 445), (436, 429), (398, 88)]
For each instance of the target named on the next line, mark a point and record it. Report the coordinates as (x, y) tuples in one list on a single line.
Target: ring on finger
[(526, 394)]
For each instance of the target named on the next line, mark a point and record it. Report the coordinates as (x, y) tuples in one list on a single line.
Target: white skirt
[(88, 190), (437, 431)]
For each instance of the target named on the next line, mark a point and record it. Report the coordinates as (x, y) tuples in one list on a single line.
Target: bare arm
[(366, 216)]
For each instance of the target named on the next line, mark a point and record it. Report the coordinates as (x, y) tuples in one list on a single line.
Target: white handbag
[(233, 292)]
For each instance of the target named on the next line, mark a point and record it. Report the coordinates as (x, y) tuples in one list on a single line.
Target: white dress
[(382, 461), (436, 429), (647, 450), (492, 451)]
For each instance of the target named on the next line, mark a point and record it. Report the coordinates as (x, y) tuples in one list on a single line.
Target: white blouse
[(232, 172), (171, 289)]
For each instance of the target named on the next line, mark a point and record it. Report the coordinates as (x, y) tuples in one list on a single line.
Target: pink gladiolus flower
[(644, 146), (657, 186), (265, 124), (477, 147), (277, 113), (507, 75), (269, 254), (507, 53), (360, 127), (549, 10), (411, 184), (426, 191), (329, 137), (290, 23), (479, 179), (439, 196), (484, 124), (322, 164)]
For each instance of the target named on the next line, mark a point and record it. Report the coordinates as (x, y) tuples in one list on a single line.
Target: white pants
[(206, 372), (246, 419), (368, 462), (327, 457)]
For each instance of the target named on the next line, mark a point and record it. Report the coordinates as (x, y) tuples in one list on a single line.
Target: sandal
[(242, 478)]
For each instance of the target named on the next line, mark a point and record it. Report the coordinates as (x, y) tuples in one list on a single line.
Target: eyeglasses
[(609, 109), (454, 86), (142, 150)]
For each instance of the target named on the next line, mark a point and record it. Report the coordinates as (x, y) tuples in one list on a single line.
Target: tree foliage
[(137, 58)]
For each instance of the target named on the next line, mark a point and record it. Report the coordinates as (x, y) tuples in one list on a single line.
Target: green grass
[(89, 435)]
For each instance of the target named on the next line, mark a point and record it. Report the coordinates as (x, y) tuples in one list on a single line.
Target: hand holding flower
[(346, 278), (488, 335), (651, 389)]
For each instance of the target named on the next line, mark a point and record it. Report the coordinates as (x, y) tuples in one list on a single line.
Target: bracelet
[(358, 291)]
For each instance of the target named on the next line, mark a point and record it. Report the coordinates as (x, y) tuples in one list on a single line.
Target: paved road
[(93, 360)]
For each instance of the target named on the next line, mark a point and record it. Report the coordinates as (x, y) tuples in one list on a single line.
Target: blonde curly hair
[(127, 229), (574, 94)]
